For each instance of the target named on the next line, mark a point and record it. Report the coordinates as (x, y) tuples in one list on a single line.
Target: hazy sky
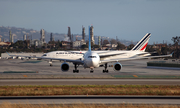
[(127, 19)]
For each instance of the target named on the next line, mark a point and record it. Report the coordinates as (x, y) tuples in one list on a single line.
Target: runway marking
[(135, 75), (25, 75)]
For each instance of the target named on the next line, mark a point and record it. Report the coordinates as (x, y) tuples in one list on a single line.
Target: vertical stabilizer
[(89, 40), (141, 45)]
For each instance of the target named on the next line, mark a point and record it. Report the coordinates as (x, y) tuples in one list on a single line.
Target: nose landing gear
[(91, 71)]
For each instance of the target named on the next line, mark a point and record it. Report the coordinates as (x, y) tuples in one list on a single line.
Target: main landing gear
[(75, 66), (105, 71)]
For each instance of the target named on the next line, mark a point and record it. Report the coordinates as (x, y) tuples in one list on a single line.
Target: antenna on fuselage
[(89, 39)]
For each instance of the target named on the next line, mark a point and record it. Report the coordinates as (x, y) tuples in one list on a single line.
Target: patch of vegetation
[(89, 90), (81, 105)]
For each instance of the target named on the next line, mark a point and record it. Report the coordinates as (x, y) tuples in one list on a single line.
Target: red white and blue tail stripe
[(141, 45)]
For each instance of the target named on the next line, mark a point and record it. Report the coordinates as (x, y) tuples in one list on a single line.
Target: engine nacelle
[(64, 66), (117, 66)]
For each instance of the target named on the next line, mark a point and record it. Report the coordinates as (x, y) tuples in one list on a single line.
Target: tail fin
[(141, 45), (89, 39)]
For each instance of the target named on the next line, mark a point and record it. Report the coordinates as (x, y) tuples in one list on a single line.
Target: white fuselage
[(64, 55), (92, 58)]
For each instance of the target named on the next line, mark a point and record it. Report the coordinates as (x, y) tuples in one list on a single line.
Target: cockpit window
[(44, 55), (91, 56)]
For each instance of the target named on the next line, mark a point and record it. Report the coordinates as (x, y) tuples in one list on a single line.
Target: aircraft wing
[(78, 61), (103, 55), (40, 58), (21, 56), (133, 58)]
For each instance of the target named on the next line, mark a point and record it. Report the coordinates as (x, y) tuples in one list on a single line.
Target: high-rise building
[(69, 33), (42, 39), (24, 37), (92, 35), (76, 38), (72, 39), (83, 33), (10, 37), (51, 37), (99, 40)]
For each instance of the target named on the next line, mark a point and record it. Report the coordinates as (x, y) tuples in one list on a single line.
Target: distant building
[(36, 43), (99, 40), (51, 37), (24, 37), (66, 44), (72, 38), (83, 33), (109, 46), (42, 39), (92, 35), (78, 44), (69, 33), (159, 46), (10, 37)]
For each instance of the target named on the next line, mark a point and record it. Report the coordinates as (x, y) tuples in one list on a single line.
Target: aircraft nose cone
[(94, 63), (90, 63)]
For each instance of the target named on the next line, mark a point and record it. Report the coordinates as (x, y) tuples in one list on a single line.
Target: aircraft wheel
[(103, 71), (107, 71), (91, 71), (75, 71)]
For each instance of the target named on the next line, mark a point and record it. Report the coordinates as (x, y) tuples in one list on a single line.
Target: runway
[(135, 72), (171, 100), (137, 67), (89, 81)]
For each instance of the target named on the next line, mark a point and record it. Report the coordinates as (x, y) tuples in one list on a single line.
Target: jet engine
[(117, 66), (64, 66)]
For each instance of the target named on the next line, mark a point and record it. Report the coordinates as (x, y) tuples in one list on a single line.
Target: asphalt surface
[(40, 69), (30, 72), (4, 82), (172, 100)]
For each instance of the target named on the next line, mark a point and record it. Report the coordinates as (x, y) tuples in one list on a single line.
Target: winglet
[(89, 39), (8, 53)]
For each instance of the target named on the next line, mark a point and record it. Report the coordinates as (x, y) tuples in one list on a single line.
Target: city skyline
[(126, 19)]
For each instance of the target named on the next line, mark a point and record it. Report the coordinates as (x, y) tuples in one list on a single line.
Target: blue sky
[(127, 19)]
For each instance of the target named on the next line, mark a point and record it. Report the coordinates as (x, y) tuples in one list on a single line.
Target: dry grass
[(89, 90), (8, 105)]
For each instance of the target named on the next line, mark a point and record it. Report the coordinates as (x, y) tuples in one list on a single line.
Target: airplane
[(94, 59)]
